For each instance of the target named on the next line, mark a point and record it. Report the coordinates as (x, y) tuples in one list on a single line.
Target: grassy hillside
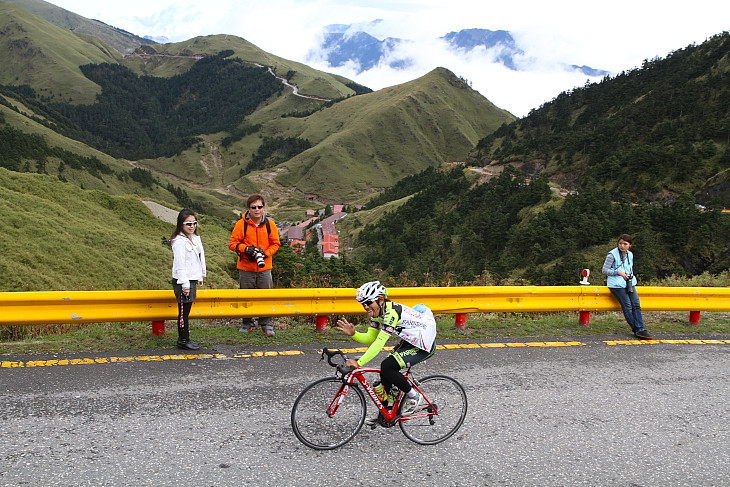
[(119, 39), (57, 236), (119, 181), (47, 58), (369, 142), (158, 61), (357, 144)]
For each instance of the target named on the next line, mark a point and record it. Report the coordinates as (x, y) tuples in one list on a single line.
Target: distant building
[(331, 246), (329, 239), (295, 233)]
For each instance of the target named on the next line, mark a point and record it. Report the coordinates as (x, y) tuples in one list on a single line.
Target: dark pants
[(403, 355), (256, 280), (184, 305), (631, 307)]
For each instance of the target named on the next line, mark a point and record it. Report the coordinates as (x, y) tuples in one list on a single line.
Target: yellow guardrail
[(41, 307)]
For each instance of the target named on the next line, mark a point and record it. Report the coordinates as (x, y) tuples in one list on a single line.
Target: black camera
[(629, 283), (260, 258), (255, 254)]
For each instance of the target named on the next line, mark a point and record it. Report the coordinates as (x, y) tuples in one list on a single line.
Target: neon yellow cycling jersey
[(411, 326)]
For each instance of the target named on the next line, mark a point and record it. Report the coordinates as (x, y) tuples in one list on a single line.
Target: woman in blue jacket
[(619, 267)]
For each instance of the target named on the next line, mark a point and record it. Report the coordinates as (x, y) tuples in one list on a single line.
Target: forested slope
[(649, 133)]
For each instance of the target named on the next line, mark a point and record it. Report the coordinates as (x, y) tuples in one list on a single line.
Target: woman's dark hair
[(626, 238), (184, 213)]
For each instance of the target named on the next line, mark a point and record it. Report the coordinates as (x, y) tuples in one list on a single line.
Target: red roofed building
[(331, 246), (329, 239)]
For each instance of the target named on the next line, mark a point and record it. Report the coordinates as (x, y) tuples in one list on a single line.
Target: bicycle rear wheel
[(312, 423), (448, 398)]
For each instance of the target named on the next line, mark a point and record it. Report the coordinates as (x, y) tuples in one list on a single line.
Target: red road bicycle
[(331, 411)]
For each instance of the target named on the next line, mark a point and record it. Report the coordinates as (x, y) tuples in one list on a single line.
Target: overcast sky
[(613, 36)]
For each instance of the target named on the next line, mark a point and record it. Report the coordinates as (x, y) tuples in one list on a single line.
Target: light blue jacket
[(614, 263)]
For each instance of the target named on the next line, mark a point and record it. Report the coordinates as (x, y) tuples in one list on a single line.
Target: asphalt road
[(595, 413)]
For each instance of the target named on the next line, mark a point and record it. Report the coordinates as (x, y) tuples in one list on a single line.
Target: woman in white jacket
[(188, 271)]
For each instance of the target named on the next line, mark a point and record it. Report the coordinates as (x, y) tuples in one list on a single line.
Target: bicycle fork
[(337, 400)]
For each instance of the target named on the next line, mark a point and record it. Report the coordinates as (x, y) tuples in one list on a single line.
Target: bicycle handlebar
[(341, 368)]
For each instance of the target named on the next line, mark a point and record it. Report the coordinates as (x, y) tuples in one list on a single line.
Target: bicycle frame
[(391, 417)]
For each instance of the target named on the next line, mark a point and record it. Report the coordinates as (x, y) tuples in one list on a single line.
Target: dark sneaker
[(247, 328), (643, 335), (187, 345), (268, 331)]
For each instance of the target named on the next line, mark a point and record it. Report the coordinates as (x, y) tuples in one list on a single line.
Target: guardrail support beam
[(585, 318), (461, 321), (321, 324), (158, 328), (694, 318)]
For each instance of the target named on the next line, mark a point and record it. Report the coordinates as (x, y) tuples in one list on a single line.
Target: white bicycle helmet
[(370, 291)]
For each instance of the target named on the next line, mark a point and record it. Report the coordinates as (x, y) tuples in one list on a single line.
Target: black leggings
[(401, 357), (184, 305)]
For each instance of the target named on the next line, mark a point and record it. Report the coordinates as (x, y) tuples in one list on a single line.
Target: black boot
[(187, 344)]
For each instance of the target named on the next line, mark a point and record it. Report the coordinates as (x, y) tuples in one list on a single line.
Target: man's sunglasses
[(190, 224), (254, 207), (367, 303)]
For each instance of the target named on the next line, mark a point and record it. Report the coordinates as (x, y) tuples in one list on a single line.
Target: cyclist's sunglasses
[(367, 303)]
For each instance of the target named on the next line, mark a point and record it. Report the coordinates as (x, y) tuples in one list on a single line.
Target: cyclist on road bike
[(416, 327)]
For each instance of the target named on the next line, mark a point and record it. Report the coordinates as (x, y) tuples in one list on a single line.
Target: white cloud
[(614, 36)]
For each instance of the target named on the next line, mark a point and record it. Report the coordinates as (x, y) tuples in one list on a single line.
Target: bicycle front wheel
[(319, 422), (436, 422)]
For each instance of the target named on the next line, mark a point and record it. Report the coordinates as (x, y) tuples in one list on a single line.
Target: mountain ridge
[(348, 44), (337, 170), (121, 40)]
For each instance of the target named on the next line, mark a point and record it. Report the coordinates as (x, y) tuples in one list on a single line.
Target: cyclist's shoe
[(410, 404)]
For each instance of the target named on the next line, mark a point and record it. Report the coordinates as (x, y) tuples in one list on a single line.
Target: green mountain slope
[(354, 144), (369, 142), (57, 236), (121, 40), (47, 58), (647, 134), (168, 59)]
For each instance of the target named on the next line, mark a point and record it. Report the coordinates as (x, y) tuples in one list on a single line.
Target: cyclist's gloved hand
[(420, 307)]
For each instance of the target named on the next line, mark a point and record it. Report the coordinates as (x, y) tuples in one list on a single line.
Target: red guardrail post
[(321, 324), (694, 318), (158, 328), (585, 318), (461, 321)]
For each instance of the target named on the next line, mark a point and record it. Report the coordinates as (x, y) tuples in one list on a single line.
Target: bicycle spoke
[(449, 399), (311, 417)]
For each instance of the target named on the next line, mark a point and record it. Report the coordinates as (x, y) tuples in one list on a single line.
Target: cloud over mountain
[(485, 57)]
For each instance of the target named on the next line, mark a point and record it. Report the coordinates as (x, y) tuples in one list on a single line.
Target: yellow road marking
[(656, 342), (450, 346)]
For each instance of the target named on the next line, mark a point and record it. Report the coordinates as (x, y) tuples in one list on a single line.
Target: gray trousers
[(256, 280)]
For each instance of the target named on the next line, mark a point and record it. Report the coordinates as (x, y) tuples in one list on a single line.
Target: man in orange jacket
[(255, 239)]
